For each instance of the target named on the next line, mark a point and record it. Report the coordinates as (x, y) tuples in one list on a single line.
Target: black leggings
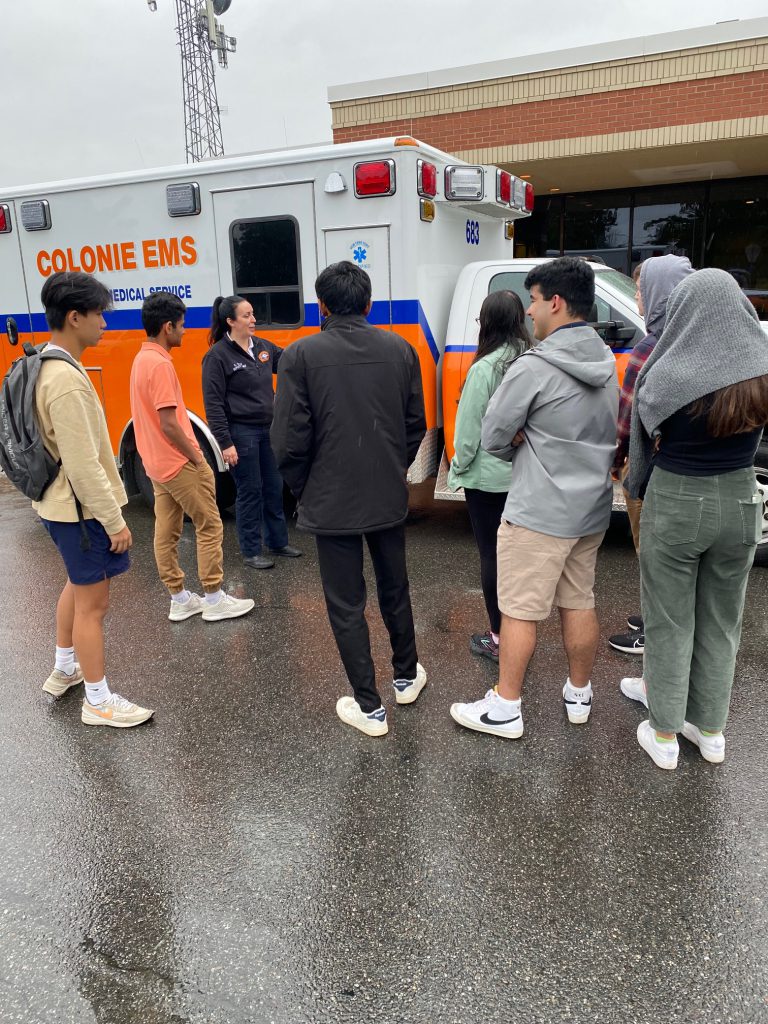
[(485, 508)]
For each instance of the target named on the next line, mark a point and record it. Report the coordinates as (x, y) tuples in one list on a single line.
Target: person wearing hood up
[(658, 276), (554, 417), (701, 402)]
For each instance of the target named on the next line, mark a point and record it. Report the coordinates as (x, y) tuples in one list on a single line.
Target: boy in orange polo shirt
[(182, 480)]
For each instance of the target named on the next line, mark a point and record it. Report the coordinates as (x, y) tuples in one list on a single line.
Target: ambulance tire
[(761, 472)]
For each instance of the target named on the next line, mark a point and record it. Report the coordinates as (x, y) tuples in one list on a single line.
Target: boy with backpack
[(80, 504)]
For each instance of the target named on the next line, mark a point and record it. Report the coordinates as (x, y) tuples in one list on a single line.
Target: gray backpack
[(23, 457)]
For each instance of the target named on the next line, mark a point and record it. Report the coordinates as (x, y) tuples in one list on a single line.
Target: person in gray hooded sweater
[(701, 403), (659, 275), (554, 418)]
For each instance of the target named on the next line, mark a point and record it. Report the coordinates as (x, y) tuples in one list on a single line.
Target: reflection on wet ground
[(246, 858)]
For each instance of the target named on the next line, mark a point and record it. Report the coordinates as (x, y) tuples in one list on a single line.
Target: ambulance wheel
[(225, 485), (761, 472), (142, 481)]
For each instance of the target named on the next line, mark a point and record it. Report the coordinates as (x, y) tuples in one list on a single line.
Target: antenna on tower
[(200, 33)]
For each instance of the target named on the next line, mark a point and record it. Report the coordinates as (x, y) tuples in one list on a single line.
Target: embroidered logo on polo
[(239, 366), (263, 357)]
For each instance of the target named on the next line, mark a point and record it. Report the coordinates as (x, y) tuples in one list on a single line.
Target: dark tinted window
[(265, 265), (597, 224), (668, 221), (737, 230)]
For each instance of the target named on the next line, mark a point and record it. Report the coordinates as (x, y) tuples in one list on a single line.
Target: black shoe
[(635, 623), (628, 643), (286, 552), (259, 562), (482, 644)]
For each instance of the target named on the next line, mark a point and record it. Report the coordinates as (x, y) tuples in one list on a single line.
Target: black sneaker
[(635, 623), (482, 644), (628, 643)]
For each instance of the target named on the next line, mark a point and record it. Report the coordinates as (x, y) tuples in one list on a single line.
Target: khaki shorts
[(536, 571)]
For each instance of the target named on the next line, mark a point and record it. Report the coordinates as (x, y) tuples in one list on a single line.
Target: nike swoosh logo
[(495, 721), (97, 711), (584, 703)]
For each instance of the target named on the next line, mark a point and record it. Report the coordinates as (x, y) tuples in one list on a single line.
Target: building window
[(597, 224), (737, 235), (266, 269), (669, 220)]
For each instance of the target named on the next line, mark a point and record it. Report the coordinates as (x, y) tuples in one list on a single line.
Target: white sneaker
[(227, 607), (407, 690), (181, 610), (59, 682), (712, 748), (663, 754), (115, 711), (373, 723), (578, 702), (492, 714), (634, 689)]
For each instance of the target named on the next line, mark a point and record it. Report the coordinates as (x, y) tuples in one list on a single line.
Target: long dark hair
[(735, 409), (502, 322), (223, 309)]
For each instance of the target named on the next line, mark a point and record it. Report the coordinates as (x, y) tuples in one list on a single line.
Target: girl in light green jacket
[(485, 479)]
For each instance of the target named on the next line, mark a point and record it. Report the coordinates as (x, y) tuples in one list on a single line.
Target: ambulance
[(434, 233)]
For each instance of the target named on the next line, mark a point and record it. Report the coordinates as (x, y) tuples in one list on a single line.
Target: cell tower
[(199, 35)]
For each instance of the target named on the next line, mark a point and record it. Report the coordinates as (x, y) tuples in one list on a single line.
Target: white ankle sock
[(578, 689), (97, 693), (65, 660), (495, 638), (512, 705), (182, 597), (214, 598)]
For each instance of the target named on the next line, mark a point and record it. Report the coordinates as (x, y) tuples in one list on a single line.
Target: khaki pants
[(191, 491)]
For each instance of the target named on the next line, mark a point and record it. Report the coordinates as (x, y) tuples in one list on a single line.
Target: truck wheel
[(142, 481), (761, 472)]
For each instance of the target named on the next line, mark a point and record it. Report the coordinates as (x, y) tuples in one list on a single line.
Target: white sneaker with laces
[(662, 754), (181, 610), (634, 689), (578, 702), (407, 690), (59, 682), (491, 714), (115, 711), (227, 607), (372, 723), (712, 748)]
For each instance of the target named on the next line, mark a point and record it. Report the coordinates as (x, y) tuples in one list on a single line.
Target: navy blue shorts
[(86, 567)]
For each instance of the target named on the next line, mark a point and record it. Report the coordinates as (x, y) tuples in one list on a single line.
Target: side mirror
[(12, 330)]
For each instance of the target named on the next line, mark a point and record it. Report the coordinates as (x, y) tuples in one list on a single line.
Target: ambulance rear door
[(14, 301), (266, 252)]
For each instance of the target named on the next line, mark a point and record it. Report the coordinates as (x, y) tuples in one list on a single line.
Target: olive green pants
[(697, 542)]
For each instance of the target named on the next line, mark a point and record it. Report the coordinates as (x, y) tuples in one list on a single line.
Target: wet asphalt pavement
[(247, 858)]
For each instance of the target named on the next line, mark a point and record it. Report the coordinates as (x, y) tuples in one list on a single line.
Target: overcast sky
[(92, 86)]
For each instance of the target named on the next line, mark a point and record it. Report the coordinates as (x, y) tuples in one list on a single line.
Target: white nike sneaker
[(662, 754), (492, 714), (115, 711), (634, 689), (59, 682), (712, 748), (227, 607), (578, 702), (181, 610), (372, 723), (407, 690)]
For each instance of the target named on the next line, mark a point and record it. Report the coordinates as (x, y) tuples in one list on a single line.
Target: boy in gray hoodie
[(554, 417)]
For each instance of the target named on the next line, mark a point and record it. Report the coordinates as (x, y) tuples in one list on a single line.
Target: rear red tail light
[(528, 196), (503, 187), (5, 219), (426, 179), (375, 179)]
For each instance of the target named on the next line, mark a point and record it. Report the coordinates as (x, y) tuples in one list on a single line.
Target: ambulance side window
[(266, 269), (514, 281)]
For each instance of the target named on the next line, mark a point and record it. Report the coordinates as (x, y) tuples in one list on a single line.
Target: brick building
[(636, 147)]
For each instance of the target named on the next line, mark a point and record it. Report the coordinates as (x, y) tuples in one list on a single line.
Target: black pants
[(485, 508), (340, 557)]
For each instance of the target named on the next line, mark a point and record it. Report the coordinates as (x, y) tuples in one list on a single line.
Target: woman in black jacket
[(239, 399)]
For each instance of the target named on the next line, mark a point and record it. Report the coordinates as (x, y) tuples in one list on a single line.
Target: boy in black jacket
[(349, 419)]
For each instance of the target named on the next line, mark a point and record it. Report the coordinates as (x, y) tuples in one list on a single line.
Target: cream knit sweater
[(74, 429)]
